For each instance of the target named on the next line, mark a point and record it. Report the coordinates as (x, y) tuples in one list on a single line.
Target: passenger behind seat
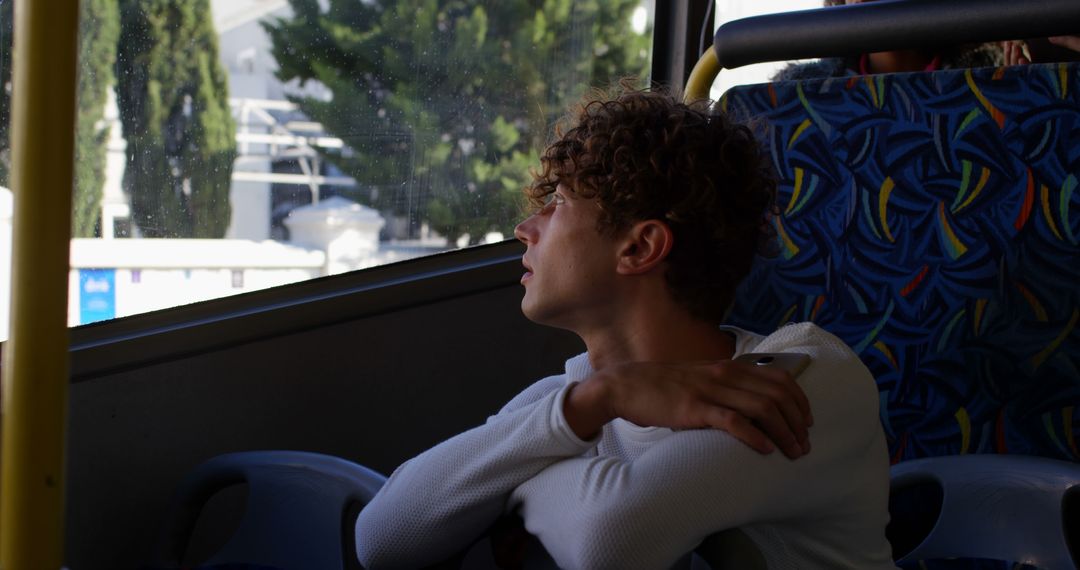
[(897, 61)]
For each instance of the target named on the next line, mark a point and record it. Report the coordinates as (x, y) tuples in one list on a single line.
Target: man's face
[(570, 266)]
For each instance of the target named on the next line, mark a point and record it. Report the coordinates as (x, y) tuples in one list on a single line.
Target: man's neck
[(657, 335)]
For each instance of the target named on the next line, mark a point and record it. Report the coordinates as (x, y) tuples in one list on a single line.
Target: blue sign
[(97, 295)]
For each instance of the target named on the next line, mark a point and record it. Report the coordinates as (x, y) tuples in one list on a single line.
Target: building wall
[(119, 277), (135, 290)]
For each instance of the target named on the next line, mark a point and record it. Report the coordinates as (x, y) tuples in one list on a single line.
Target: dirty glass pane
[(5, 164), (225, 146)]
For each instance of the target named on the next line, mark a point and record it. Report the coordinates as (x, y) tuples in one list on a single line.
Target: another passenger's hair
[(643, 154)]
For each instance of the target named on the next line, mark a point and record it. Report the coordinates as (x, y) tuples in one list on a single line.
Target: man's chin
[(533, 311), (542, 316), (529, 310)]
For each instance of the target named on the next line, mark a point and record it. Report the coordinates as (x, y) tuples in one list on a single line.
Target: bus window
[(730, 10), (225, 146)]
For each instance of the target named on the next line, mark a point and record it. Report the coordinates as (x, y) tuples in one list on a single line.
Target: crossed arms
[(595, 509)]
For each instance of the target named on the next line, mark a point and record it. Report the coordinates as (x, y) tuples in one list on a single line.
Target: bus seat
[(999, 507), (300, 513), (301, 510), (931, 221)]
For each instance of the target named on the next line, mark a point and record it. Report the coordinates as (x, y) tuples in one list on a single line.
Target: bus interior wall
[(376, 390)]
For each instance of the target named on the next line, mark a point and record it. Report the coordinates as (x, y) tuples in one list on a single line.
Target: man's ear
[(644, 246)]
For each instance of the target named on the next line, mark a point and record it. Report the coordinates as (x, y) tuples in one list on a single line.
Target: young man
[(649, 213)]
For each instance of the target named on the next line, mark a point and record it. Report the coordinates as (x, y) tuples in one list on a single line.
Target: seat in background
[(301, 510), (1002, 507), (931, 221)]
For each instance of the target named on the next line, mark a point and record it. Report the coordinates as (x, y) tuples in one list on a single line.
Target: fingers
[(761, 406), (738, 426), (799, 396), (1014, 53), (780, 395), (766, 415), (1071, 42), (1020, 53), (784, 400), (769, 398), (778, 384)]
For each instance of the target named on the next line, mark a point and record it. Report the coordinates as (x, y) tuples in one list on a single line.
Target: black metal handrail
[(889, 25)]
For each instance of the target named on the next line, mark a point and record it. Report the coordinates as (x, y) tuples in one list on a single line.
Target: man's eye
[(548, 204), (552, 200)]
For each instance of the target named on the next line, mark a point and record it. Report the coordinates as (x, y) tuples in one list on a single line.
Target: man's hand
[(1015, 52), (1070, 42), (762, 407)]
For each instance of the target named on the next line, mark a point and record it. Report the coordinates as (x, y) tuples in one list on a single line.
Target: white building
[(269, 128), (112, 278), (120, 277)]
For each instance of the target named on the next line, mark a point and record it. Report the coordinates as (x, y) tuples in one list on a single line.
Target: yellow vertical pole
[(702, 76), (35, 360)]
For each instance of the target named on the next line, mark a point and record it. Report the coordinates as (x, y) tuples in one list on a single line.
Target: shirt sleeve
[(608, 512), (438, 502)]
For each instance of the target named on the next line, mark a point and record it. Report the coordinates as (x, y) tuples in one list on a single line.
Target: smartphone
[(793, 362)]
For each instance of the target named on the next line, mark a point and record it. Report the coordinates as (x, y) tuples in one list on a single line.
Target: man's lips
[(528, 271)]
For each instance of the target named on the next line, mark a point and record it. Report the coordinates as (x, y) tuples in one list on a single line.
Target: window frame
[(97, 349)]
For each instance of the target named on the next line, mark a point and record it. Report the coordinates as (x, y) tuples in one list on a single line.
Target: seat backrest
[(300, 511), (1001, 507), (931, 221)]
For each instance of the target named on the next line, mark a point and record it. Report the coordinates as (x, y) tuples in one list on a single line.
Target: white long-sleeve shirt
[(642, 497)]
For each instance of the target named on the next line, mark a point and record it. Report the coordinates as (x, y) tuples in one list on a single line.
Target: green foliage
[(174, 109), (99, 24), (444, 104), (99, 29), (7, 21)]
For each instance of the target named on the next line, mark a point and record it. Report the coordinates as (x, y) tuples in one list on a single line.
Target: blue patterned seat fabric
[(931, 220)]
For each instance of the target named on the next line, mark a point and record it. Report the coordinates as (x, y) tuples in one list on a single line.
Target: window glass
[(225, 146), (728, 10), (6, 203)]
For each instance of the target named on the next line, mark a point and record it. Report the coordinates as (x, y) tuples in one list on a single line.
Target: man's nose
[(526, 230)]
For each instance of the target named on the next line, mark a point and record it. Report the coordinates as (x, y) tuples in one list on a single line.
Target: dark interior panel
[(376, 390)]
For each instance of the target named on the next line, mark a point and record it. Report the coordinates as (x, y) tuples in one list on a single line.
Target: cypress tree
[(99, 28), (175, 114), (98, 31), (444, 104), (7, 17)]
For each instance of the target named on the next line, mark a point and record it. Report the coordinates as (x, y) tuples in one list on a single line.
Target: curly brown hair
[(644, 154)]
